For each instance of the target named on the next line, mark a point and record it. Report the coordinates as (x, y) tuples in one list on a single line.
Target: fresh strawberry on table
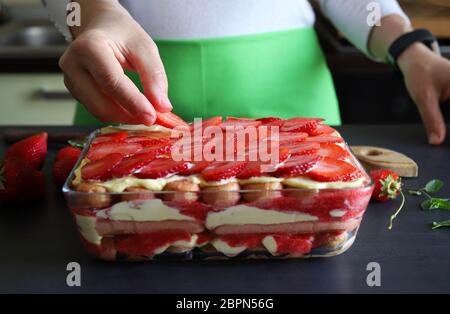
[(20, 181), (68, 151), (32, 149), (387, 183)]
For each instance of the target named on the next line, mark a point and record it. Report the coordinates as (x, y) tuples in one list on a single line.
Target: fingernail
[(433, 138), (148, 119), (165, 102)]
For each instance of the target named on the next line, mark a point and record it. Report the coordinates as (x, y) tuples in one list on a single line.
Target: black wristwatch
[(406, 40)]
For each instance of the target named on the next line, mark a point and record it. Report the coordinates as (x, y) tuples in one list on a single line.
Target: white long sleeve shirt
[(195, 19)]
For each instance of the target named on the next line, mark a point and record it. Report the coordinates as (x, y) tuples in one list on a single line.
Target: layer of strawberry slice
[(101, 169), (161, 168), (330, 170), (297, 165), (293, 244), (132, 164), (111, 137), (161, 148), (98, 151), (147, 244), (247, 240), (303, 148), (146, 141), (333, 151), (325, 139), (291, 137), (240, 124), (223, 170), (196, 167), (307, 125), (268, 120), (323, 129), (252, 169), (170, 120)]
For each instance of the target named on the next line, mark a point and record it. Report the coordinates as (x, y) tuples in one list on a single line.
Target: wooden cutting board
[(372, 157)]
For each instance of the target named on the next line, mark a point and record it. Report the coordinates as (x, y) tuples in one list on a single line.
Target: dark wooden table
[(37, 242)]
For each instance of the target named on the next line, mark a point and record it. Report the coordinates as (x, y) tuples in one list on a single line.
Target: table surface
[(39, 240)]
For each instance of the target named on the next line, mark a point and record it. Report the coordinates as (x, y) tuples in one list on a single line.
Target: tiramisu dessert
[(218, 188)]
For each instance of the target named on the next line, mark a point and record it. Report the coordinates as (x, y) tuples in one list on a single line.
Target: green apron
[(281, 74)]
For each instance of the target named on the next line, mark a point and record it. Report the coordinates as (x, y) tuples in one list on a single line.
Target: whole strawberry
[(388, 185), (32, 149), (20, 182)]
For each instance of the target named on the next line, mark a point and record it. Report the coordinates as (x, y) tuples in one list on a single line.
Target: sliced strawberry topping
[(101, 168), (325, 139), (333, 151), (303, 148), (268, 120), (291, 137), (196, 167), (297, 165), (300, 125), (98, 151), (111, 137), (147, 244), (253, 169), (147, 141), (323, 129), (240, 124), (223, 170), (162, 148), (162, 168), (131, 164), (329, 170), (170, 120)]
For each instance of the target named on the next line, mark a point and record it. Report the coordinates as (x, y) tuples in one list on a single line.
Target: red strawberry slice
[(247, 240), (253, 169), (68, 151), (146, 141), (293, 244), (223, 170), (170, 120), (111, 137), (101, 169), (325, 139), (303, 148), (161, 168), (20, 182), (132, 164), (323, 129), (291, 137), (195, 167), (268, 120), (330, 170), (333, 151), (32, 149), (240, 124), (147, 244), (162, 148), (300, 125), (98, 151), (297, 165), (62, 168)]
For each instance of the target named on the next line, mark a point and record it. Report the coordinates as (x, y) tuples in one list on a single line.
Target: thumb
[(432, 118), (147, 62)]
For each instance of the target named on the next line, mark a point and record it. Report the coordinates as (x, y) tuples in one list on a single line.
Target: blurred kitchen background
[(32, 91)]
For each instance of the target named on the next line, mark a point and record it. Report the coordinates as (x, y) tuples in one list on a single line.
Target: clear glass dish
[(282, 223)]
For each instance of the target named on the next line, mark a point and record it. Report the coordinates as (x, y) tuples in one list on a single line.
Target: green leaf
[(440, 224), (436, 203), (433, 186), (415, 192)]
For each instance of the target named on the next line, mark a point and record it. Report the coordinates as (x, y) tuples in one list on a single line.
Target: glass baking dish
[(281, 223)]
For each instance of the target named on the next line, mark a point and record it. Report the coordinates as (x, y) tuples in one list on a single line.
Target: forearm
[(382, 37)]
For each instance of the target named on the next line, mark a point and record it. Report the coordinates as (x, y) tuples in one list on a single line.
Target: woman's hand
[(107, 42), (427, 78)]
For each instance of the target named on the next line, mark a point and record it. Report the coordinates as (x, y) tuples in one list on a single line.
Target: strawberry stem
[(394, 216)]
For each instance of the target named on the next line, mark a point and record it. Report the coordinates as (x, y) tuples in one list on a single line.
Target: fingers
[(432, 118), (146, 60), (100, 105), (109, 75)]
